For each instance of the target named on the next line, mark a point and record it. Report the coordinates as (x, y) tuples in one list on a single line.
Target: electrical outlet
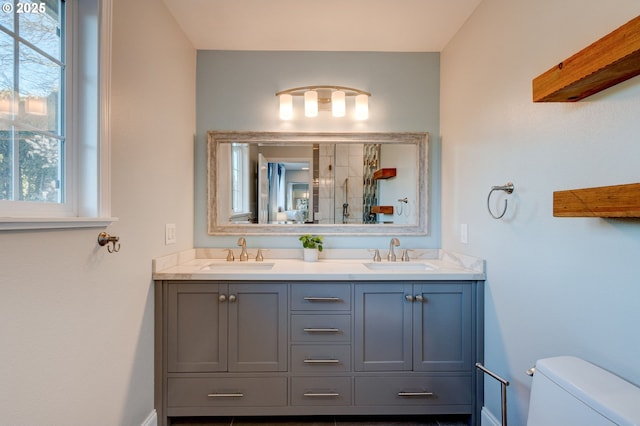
[(170, 234), (464, 233)]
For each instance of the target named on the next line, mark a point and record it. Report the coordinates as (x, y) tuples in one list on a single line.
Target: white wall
[(76, 323), (405, 160), (555, 285)]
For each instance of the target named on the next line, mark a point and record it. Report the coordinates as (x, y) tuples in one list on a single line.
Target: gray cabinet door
[(419, 327), (257, 327), (383, 327), (196, 327), (442, 327)]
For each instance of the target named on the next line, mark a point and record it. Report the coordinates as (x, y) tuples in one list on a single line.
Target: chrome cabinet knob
[(419, 298), (222, 298), (409, 297), (232, 298)]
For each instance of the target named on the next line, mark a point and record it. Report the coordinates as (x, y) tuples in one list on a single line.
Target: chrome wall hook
[(104, 239), (508, 188)]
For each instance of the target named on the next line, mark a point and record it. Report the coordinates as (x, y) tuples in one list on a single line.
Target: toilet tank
[(568, 391)]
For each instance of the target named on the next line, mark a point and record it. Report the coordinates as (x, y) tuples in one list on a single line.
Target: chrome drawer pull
[(322, 299), (321, 361), (321, 330), (314, 394), (409, 394), (226, 395)]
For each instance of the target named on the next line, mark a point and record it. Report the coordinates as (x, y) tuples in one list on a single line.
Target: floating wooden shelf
[(605, 201), (382, 209), (607, 62), (384, 173)]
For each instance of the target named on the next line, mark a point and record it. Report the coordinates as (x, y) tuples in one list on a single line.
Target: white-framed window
[(239, 178), (54, 94)]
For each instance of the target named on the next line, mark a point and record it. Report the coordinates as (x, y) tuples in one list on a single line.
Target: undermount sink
[(407, 266), (238, 266)]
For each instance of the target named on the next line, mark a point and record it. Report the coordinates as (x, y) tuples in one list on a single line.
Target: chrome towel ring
[(508, 188)]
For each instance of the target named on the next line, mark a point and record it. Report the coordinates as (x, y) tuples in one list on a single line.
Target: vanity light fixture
[(324, 98)]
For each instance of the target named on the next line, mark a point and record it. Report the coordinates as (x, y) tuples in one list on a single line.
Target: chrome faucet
[(244, 256), (391, 257), (376, 255), (230, 257), (405, 255)]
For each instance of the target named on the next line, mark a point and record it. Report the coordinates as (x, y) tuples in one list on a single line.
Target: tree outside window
[(32, 84)]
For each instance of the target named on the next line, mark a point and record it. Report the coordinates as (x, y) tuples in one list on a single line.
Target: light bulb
[(286, 106), (311, 103), (338, 105), (362, 107)]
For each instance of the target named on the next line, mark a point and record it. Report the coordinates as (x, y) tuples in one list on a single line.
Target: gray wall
[(236, 91), (76, 323), (556, 286)]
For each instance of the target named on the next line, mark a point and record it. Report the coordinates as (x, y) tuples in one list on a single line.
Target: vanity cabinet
[(413, 327), (230, 348), (419, 328), (220, 345), (217, 327), (321, 349)]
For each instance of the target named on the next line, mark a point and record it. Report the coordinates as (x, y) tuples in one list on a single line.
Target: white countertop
[(335, 265)]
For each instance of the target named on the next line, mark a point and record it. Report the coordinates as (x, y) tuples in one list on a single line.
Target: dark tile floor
[(322, 421)]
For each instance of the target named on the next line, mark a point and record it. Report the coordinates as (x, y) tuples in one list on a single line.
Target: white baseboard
[(488, 419), (151, 420)]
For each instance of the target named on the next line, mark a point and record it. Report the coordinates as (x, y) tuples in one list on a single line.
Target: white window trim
[(93, 199), (243, 210)]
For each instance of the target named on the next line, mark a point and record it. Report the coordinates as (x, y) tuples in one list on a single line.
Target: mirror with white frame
[(264, 183)]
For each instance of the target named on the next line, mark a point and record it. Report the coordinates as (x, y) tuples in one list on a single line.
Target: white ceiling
[(321, 25)]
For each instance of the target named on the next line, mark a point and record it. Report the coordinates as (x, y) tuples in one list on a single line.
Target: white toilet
[(568, 391)]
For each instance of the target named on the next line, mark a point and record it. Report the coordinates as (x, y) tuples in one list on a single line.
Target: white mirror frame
[(215, 138)]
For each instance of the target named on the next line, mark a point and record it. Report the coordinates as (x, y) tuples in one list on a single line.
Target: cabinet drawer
[(320, 391), (320, 358), (413, 390), (227, 392), (321, 297), (321, 328)]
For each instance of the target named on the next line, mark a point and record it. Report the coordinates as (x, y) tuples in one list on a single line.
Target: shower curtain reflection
[(277, 190)]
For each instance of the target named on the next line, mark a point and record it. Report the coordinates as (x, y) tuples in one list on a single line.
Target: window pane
[(7, 59), (6, 19), (6, 160), (32, 146), (39, 24), (40, 83), (40, 168)]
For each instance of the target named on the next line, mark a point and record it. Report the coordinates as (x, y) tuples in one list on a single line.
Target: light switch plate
[(464, 233), (170, 234)]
